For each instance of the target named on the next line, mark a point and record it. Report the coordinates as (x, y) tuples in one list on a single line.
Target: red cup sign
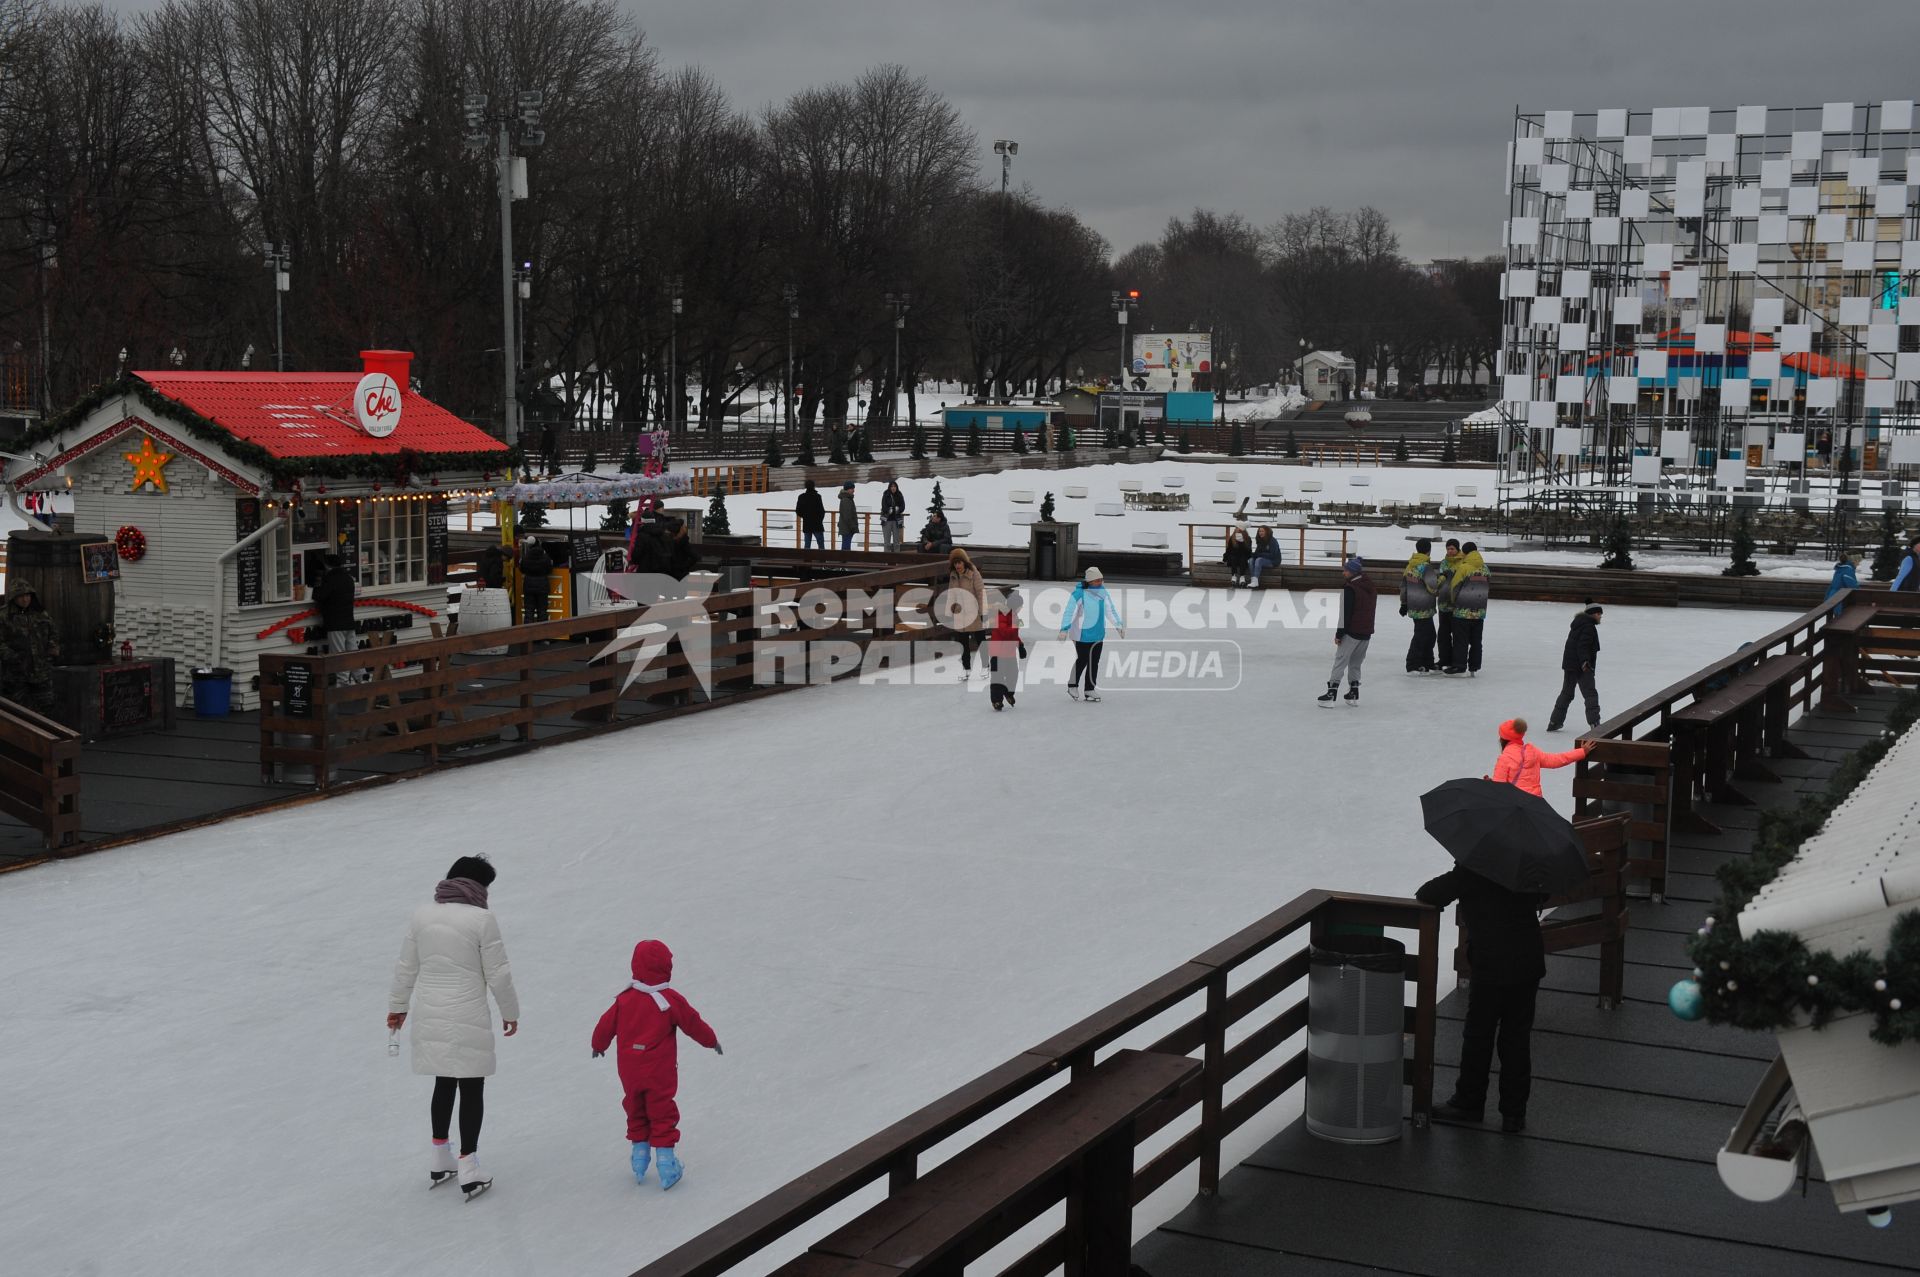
[(376, 404)]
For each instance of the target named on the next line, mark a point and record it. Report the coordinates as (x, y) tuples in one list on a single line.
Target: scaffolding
[(1708, 309)]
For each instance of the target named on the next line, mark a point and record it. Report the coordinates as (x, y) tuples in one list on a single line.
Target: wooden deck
[(150, 783), (1615, 1173)]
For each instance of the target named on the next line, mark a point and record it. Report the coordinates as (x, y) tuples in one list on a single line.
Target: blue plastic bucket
[(212, 692)]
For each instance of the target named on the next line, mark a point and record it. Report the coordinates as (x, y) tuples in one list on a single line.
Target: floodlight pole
[(509, 343)]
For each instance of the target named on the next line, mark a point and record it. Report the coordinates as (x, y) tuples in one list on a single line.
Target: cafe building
[(221, 493)]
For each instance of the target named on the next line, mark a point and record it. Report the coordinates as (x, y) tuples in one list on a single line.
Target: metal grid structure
[(1713, 304)]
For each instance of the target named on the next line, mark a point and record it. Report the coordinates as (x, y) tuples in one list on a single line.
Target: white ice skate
[(473, 1181), (441, 1167)]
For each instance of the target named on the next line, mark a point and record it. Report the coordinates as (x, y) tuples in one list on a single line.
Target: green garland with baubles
[(1771, 980)]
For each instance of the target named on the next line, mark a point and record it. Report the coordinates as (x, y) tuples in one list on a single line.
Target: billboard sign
[(1181, 354)]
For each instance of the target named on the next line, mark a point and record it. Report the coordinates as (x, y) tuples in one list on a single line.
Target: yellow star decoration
[(147, 465)]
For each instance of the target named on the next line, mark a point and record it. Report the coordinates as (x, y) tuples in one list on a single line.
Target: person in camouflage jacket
[(28, 650)]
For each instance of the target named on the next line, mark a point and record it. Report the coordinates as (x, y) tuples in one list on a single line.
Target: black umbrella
[(1505, 834)]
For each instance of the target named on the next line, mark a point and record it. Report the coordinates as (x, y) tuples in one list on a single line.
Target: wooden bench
[(1076, 1145), (1724, 734)]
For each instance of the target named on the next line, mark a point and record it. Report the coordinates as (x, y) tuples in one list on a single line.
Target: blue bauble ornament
[(1684, 1000)]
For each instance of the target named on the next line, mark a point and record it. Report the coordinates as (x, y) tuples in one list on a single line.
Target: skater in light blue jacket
[(1086, 623)]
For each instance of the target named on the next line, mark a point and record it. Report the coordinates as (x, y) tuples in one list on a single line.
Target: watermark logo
[(673, 613)]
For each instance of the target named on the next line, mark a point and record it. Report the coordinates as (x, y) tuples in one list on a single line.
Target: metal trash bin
[(1046, 547), (1356, 995)]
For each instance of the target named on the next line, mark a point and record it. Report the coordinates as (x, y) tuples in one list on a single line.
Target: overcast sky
[(1133, 112)]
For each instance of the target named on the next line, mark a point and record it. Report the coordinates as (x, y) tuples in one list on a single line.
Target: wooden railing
[(325, 712), (735, 478), (1209, 996), (1692, 740), (39, 773), (1297, 545)]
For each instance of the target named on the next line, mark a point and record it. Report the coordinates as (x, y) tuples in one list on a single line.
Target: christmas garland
[(1771, 980), (300, 635), (394, 467), (130, 543)]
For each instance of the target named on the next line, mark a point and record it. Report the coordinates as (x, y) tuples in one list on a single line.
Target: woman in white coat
[(451, 958)]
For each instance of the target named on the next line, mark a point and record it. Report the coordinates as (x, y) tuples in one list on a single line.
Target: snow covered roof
[(1332, 357)]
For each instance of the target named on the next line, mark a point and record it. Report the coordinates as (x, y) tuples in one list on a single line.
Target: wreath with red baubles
[(131, 542)]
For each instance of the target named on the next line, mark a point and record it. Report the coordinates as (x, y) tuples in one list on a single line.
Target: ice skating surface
[(872, 893)]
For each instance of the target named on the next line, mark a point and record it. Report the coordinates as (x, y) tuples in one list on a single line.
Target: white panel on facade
[(1612, 122), (1710, 339), (1637, 149), (1528, 151), (1830, 228), (1773, 228), (1823, 392), (1750, 121), (1515, 387), (1523, 283), (1796, 339), (1553, 179), (1806, 145), (1764, 365), (1896, 113), (1569, 389), (1684, 284), (1541, 415), (1566, 441), (1689, 203), (1626, 310), (1623, 390), (1856, 255), (1776, 175), (1633, 202), (1863, 171), (1906, 450), (1559, 124), (1690, 175), (1789, 446), (1855, 311), (1575, 284), (1883, 339), (1658, 258), (1890, 200), (1721, 148), (1910, 255), (1695, 120), (1646, 469), (1730, 472), (1745, 201), (1743, 259), (1676, 445), (1836, 117), (1604, 231), (1573, 337), (1906, 366), (1736, 393), (1768, 313), (1879, 394), (1803, 201), (1579, 205), (1653, 363), (1666, 121), (1546, 312), (1524, 232)]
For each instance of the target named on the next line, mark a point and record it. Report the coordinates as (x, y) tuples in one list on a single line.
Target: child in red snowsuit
[(643, 1019), (1005, 651)]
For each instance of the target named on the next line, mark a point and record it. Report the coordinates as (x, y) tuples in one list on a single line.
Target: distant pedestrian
[(536, 571), (1358, 601), (453, 953), (1908, 577), (333, 595), (1005, 651), (849, 517), (811, 508), (1443, 604), (644, 1020), (1846, 576), (937, 536), (1266, 554), (549, 450), (1825, 447), (1238, 555), (1577, 661), (1472, 586), (491, 568), (1085, 621), (29, 649), (893, 517), (963, 607), (1419, 594)]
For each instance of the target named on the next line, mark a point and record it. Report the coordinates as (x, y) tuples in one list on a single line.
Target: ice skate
[(442, 1166), (1073, 691), (473, 1181), (1329, 696), (1092, 696), (670, 1169), (997, 707), (642, 1153), (1353, 695)]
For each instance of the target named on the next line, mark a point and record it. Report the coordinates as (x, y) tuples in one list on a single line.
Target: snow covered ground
[(873, 894)]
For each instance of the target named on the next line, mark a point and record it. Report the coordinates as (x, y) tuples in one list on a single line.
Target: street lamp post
[(899, 303), (1122, 303), (792, 296), (674, 283), (511, 172), (1006, 151), (279, 260)]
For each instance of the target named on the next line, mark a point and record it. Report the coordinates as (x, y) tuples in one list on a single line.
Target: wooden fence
[(1210, 995), (39, 774), (319, 714)]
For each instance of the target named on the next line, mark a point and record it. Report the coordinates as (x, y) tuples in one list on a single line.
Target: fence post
[(1425, 1015), (1213, 1082), (1100, 1208)]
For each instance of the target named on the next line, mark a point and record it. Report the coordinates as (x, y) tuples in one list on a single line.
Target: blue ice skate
[(670, 1168), (641, 1153)]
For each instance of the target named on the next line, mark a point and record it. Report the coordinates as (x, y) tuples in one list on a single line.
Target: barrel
[(82, 613), (484, 610)]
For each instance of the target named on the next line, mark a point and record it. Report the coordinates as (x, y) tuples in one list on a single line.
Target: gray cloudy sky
[(1132, 112)]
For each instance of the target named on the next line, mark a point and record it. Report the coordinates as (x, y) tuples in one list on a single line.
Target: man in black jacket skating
[(1577, 660), (1508, 960)]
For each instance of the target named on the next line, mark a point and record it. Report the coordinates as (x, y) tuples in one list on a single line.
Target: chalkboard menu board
[(346, 536), (246, 520), (296, 690), (126, 698), (436, 540), (583, 551)]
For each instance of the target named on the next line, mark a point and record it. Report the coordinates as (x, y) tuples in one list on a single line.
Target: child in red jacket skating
[(643, 1020), (1005, 650)]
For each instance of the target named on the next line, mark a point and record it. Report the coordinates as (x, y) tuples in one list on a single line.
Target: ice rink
[(873, 894)]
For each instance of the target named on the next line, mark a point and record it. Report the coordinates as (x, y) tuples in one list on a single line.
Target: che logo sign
[(376, 404)]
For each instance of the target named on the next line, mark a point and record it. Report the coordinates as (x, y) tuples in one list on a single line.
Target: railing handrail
[(893, 1151)]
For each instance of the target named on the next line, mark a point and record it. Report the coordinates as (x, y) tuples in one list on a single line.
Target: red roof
[(310, 414)]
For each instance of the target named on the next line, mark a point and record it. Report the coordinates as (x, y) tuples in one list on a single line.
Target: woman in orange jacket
[(1520, 762)]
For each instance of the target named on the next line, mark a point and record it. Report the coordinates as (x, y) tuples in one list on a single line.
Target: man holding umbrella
[(1511, 851)]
